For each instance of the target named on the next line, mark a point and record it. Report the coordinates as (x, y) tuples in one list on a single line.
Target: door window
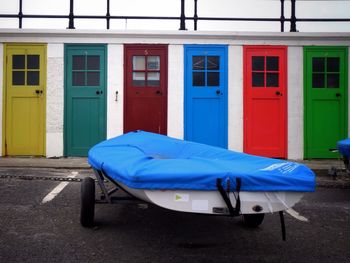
[(325, 72), (86, 70), (25, 70), (146, 71), (265, 72), (206, 71)]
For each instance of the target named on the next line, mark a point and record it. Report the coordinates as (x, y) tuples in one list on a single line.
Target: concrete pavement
[(320, 167), (41, 162)]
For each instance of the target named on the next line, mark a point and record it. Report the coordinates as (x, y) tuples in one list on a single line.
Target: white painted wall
[(349, 91), (54, 100), (235, 98), (176, 91), (295, 91), (2, 91), (115, 80)]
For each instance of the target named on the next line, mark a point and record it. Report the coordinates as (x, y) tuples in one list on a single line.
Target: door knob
[(38, 91), (278, 93), (99, 92), (338, 95), (218, 92), (158, 92)]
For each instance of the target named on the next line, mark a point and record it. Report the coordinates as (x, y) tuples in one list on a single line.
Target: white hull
[(211, 202)]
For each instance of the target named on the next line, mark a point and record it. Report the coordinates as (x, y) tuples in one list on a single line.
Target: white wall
[(176, 91), (115, 80), (54, 100), (235, 98), (295, 91), (349, 91), (2, 91)]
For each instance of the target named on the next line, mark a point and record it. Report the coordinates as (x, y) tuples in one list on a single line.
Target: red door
[(145, 91), (265, 101)]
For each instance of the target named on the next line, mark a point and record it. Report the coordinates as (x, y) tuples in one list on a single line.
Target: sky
[(206, 8)]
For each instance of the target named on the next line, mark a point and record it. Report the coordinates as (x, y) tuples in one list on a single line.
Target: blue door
[(206, 94)]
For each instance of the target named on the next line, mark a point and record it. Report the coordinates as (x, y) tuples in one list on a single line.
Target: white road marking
[(296, 215), (50, 196)]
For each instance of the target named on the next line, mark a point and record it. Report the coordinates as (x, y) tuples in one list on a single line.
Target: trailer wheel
[(253, 220), (87, 207)]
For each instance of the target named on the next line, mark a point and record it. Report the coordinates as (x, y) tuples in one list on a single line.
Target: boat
[(192, 177), (344, 150)]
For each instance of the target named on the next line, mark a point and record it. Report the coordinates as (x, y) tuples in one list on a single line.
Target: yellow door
[(25, 99)]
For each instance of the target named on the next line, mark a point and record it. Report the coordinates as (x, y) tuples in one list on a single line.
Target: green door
[(325, 86), (85, 97)]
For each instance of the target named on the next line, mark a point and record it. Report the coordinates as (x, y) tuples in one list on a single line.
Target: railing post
[(293, 19), (71, 15), (108, 15), (195, 15), (282, 16), (182, 16), (20, 14)]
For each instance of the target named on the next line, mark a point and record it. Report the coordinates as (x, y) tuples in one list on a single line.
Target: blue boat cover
[(146, 160), (344, 147)]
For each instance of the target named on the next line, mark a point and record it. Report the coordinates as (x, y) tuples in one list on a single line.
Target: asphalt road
[(35, 231)]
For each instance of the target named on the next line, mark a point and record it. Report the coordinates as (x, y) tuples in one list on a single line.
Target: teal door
[(85, 97), (206, 94)]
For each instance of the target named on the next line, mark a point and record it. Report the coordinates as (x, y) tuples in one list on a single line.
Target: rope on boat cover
[(233, 211)]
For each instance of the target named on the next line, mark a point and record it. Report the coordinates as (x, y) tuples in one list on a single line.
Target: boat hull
[(211, 202)]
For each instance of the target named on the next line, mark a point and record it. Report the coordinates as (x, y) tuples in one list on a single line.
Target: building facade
[(282, 95)]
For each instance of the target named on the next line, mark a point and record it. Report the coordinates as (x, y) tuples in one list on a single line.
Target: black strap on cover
[(283, 226), (233, 211)]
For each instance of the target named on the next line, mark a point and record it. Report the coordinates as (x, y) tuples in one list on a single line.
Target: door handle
[(278, 93), (338, 95), (218, 92), (99, 92), (158, 92), (38, 91)]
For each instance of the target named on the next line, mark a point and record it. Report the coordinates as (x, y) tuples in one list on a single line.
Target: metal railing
[(182, 18)]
